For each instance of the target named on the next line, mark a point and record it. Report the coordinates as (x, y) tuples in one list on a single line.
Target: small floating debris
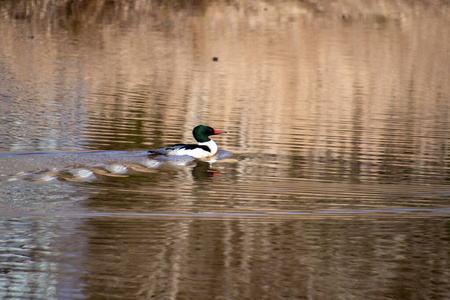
[(215, 58)]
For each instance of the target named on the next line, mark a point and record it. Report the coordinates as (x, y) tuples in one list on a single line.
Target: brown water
[(338, 120)]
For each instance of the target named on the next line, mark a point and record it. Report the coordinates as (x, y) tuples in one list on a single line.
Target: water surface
[(333, 179)]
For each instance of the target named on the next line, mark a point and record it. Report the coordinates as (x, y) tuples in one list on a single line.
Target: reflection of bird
[(202, 170), (206, 147)]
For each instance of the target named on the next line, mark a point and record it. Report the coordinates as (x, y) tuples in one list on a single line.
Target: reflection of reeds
[(75, 15), (347, 91), (329, 83)]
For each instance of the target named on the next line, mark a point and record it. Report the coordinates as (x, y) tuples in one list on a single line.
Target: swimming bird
[(206, 147)]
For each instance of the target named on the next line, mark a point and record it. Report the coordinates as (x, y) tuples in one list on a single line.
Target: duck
[(204, 148)]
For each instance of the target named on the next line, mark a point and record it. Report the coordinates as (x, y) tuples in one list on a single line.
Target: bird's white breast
[(198, 152)]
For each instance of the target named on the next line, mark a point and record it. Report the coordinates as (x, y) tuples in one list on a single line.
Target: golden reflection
[(319, 98), (206, 258), (292, 80)]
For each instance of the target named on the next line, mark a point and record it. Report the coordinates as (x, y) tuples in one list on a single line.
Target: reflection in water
[(203, 170), (207, 258), (31, 263), (338, 121)]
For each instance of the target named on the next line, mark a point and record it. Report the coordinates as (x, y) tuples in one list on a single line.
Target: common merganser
[(206, 147)]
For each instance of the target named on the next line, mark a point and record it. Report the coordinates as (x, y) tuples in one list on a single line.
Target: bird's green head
[(201, 133)]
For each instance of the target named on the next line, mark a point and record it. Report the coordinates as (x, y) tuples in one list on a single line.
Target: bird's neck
[(211, 145)]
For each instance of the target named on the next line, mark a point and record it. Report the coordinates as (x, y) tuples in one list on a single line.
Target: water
[(332, 181)]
